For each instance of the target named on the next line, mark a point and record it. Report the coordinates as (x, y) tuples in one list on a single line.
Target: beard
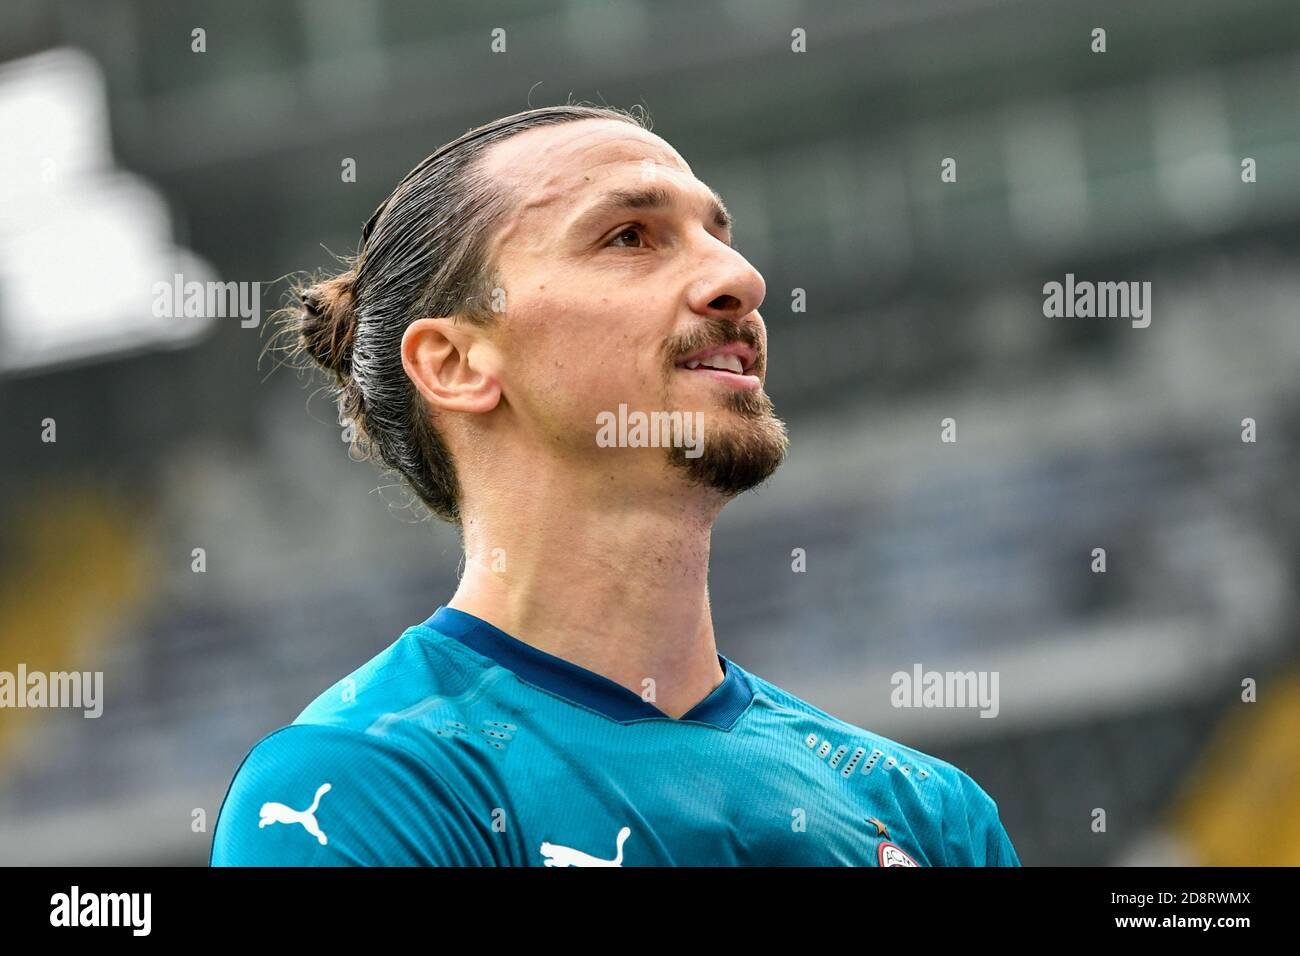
[(737, 455), (745, 441)]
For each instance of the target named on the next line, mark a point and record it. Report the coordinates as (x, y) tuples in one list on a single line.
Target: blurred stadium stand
[(1119, 691)]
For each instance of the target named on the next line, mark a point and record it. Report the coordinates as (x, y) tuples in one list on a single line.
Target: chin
[(743, 446)]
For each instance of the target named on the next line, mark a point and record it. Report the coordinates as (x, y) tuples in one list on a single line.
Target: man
[(568, 706)]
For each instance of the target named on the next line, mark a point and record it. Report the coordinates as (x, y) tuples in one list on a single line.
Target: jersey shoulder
[(317, 795), (420, 666), (347, 783), (966, 820)]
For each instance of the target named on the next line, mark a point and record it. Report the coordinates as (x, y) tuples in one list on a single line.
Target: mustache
[(712, 334)]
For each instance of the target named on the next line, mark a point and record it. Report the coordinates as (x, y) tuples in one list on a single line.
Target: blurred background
[(128, 158)]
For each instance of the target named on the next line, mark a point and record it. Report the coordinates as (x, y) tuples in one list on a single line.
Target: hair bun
[(329, 323)]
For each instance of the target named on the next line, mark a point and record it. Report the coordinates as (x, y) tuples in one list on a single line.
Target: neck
[(617, 586)]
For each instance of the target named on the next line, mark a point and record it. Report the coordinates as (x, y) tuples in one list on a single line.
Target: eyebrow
[(649, 197)]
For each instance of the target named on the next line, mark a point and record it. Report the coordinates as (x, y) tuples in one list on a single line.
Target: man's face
[(622, 289)]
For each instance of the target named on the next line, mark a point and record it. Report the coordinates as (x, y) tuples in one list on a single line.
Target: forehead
[(552, 170)]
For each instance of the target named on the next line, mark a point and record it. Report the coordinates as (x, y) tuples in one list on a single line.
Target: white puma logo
[(557, 855), (279, 813)]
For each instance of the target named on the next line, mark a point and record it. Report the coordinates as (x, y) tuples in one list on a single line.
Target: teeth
[(727, 363), (693, 363)]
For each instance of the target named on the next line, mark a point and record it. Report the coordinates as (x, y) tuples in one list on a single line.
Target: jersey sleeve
[(989, 843), (1005, 854), (317, 795)]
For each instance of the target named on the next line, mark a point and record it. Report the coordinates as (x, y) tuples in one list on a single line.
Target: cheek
[(564, 366), (577, 355)]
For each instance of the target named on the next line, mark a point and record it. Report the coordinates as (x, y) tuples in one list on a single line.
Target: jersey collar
[(720, 709)]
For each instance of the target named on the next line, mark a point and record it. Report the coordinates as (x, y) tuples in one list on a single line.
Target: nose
[(727, 285)]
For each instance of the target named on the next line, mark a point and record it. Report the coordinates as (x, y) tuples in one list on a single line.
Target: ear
[(452, 365)]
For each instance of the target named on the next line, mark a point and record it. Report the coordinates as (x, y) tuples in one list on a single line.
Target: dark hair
[(423, 252)]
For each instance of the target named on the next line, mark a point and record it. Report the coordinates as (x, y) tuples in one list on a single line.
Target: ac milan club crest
[(891, 855)]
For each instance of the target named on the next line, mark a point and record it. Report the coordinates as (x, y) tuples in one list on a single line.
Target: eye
[(636, 229)]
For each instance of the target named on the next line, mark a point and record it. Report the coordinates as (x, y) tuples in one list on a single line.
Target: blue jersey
[(460, 745)]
